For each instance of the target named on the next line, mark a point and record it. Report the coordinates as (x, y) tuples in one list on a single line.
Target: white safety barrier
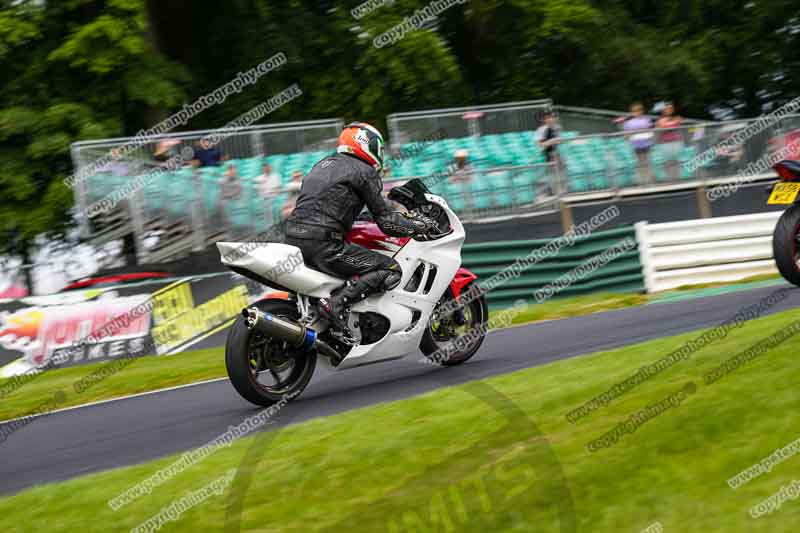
[(707, 250)]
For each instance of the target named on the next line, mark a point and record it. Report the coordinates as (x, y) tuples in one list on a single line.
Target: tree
[(70, 70)]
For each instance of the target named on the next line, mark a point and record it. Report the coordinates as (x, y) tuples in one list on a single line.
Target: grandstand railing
[(507, 172), (176, 211), (699, 151), (590, 120), (466, 121)]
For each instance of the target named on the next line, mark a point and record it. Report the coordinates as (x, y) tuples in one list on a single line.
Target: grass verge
[(143, 374), (471, 458)]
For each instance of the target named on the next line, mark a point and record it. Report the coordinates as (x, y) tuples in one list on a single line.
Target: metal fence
[(699, 151), (458, 122), (243, 142), (186, 208), (190, 208), (587, 120)]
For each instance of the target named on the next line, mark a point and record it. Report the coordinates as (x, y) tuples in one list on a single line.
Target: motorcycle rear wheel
[(786, 244), (449, 344), (251, 359)]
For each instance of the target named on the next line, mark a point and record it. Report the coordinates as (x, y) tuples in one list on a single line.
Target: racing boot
[(336, 309)]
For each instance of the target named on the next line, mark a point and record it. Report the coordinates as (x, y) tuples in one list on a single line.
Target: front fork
[(458, 314)]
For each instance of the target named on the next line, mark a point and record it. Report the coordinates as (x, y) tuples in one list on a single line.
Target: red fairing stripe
[(369, 235), (462, 278)]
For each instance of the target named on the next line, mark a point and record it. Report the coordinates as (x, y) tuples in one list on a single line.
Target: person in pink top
[(671, 140)]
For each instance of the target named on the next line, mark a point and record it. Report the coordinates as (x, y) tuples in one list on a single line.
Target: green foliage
[(88, 69), (70, 70)]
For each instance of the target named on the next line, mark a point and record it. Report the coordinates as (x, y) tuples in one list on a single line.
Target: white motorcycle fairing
[(279, 263), (408, 311)]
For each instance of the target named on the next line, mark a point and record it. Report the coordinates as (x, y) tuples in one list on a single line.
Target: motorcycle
[(786, 238), (273, 348)]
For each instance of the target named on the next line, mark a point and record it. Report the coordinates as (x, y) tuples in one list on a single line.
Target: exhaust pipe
[(297, 335)]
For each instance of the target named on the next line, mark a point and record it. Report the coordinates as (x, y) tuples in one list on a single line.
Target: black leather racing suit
[(332, 195)]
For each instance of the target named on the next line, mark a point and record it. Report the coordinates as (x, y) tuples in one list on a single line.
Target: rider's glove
[(424, 225)]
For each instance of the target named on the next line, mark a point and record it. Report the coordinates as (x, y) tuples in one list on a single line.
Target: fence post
[(643, 242), (198, 221), (567, 220), (703, 205), (136, 204)]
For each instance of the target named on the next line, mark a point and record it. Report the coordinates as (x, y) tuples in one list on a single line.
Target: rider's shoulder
[(353, 166)]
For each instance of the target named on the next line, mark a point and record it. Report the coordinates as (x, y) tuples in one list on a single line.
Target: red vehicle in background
[(789, 140), (786, 237)]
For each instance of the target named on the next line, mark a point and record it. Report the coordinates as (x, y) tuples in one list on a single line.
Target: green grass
[(750, 279), (141, 375), (576, 306), (472, 458)]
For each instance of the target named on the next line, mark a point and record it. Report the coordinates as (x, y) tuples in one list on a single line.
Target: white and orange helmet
[(363, 141)]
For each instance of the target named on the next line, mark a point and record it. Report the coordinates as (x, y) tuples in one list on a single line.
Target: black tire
[(244, 367), (785, 245), (432, 344)]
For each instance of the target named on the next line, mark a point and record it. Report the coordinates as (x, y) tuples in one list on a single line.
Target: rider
[(333, 193)]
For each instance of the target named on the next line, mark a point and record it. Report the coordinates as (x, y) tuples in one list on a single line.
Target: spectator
[(230, 188), (116, 167), (268, 185), (207, 155), (463, 174), (730, 154), (166, 150), (547, 137), (293, 189), (671, 140), (463, 170), (641, 142), (230, 191)]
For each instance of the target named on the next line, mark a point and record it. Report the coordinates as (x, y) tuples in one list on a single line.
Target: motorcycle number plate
[(784, 193)]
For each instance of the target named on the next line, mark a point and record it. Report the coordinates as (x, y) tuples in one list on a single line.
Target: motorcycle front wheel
[(263, 370), (452, 339)]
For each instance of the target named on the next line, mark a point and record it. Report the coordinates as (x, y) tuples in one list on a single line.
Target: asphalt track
[(129, 431)]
